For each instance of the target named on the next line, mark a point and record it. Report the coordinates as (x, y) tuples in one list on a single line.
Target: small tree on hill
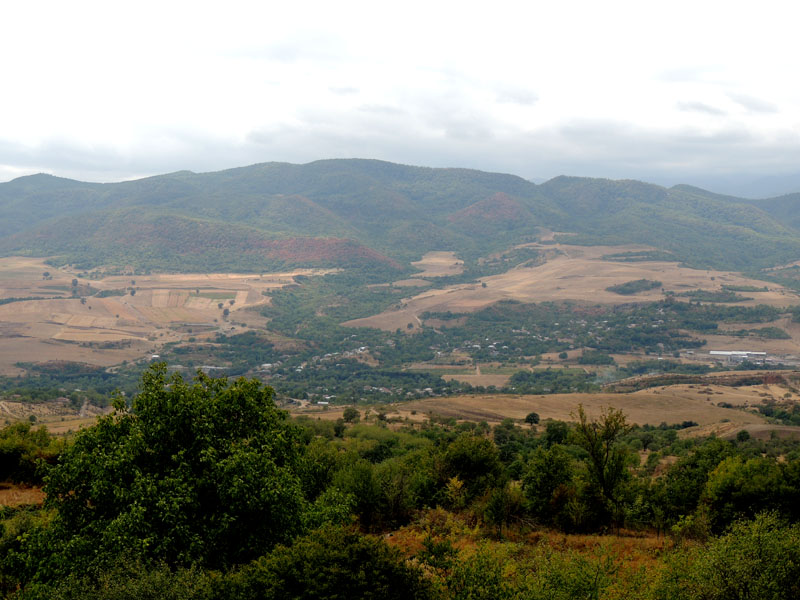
[(351, 415), (532, 418), (607, 458)]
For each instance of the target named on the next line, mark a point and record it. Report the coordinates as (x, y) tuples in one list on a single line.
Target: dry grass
[(482, 379), (648, 406), (673, 404), (634, 550), (57, 415), (438, 264), (164, 309), (573, 273), (14, 495), (411, 283)]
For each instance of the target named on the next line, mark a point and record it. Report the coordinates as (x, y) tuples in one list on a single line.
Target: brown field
[(57, 415), (649, 406), (106, 331), (673, 404), (485, 375), (438, 264), (14, 495), (756, 344), (573, 273), (411, 283)]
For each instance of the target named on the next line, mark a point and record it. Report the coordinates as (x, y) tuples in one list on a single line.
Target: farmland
[(671, 404), (572, 273), (107, 319)]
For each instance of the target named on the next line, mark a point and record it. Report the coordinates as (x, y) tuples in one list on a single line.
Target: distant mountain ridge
[(374, 214)]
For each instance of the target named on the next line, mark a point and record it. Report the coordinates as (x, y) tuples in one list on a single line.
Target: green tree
[(547, 482), (199, 473), (607, 457), (503, 503), (475, 461), (755, 559), (351, 415), (741, 488), (555, 432), (334, 562), (21, 447), (358, 480), (685, 481), (532, 418)]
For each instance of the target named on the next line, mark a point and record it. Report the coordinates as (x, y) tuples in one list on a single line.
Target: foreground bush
[(203, 473), (758, 559), (333, 562)]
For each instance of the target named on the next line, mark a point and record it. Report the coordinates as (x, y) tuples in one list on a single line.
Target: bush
[(21, 449), (204, 473), (634, 287), (755, 559), (334, 562), (131, 581)]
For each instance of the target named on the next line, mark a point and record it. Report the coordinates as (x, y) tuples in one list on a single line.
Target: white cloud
[(104, 91)]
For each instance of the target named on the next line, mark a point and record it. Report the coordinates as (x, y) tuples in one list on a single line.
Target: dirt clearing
[(439, 264), (15, 495)]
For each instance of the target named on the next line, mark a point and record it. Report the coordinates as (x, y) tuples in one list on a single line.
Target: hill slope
[(238, 218)]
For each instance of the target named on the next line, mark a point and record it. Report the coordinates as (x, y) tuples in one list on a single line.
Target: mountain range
[(376, 215)]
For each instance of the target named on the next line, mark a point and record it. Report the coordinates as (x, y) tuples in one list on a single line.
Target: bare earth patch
[(438, 264), (14, 495)]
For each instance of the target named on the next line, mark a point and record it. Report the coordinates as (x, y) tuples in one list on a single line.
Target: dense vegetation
[(634, 287), (206, 490), (359, 212)]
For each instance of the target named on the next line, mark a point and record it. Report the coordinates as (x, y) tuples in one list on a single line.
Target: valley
[(342, 282)]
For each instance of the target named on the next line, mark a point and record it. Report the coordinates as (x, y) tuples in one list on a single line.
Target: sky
[(700, 92)]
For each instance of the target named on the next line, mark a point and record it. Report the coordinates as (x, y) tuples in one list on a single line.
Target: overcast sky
[(675, 91)]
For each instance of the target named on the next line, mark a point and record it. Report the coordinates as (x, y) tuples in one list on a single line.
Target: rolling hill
[(373, 215)]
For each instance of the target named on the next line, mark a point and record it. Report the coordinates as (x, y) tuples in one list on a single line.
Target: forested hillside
[(250, 218)]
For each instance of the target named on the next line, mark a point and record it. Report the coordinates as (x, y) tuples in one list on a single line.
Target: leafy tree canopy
[(199, 473)]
